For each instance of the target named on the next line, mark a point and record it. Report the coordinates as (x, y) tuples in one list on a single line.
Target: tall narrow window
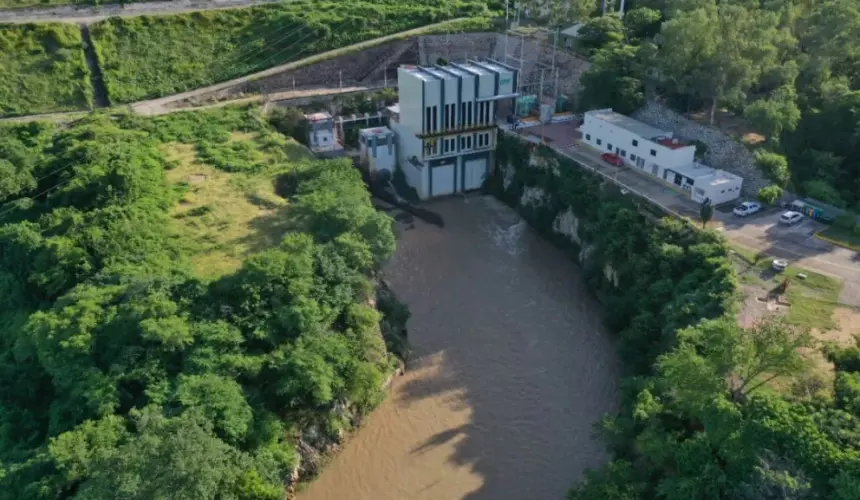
[(462, 114), (469, 120), (428, 120), (487, 119), (447, 115), (453, 115), (435, 118)]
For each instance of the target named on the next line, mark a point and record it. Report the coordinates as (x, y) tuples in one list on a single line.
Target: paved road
[(91, 14), (796, 244), (760, 232)]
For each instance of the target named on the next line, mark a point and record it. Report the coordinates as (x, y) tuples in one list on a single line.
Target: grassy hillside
[(168, 323), (42, 69), (148, 57)]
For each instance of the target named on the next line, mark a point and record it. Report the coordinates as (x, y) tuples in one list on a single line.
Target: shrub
[(774, 166), (769, 195), (846, 221)]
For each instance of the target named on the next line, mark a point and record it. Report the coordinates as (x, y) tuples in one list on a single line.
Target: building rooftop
[(627, 123), (455, 70), (492, 65), (698, 171), (318, 116), (375, 131), (438, 73), (671, 143), (419, 72), (473, 68), (572, 31)]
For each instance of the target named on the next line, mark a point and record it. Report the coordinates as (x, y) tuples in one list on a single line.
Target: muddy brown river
[(512, 367)]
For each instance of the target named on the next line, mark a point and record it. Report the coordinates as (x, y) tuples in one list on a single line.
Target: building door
[(443, 180), (640, 162), (475, 171)]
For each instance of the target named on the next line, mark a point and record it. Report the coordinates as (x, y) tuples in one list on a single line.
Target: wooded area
[(700, 416), (790, 67), (125, 373)]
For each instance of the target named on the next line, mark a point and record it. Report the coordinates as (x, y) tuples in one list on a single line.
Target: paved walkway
[(89, 14)]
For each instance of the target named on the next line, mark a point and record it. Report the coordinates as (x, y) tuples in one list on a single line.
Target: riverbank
[(511, 368)]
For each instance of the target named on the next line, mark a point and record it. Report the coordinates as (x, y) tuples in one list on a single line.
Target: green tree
[(706, 212), (642, 22), (769, 195), (716, 53), (774, 166), (600, 32), (776, 114), (614, 80), (177, 458)]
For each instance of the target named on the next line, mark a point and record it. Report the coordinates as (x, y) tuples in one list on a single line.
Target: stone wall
[(723, 151), (374, 66)]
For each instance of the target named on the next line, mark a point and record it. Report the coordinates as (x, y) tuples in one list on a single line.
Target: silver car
[(790, 218)]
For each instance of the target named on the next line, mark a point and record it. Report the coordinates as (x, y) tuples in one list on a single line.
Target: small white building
[(322, 134), (445, 123), (377, 149), (658, 153)]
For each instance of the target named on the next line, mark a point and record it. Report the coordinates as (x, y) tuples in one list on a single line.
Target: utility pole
[(340, 77), (602, 7), (507, 27), (621, 10)]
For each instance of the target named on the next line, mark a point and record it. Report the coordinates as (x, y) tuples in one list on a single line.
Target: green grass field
[(812, 298), (42, 69), (146, 57)]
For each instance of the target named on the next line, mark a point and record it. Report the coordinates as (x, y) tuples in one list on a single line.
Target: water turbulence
[(511, 369)]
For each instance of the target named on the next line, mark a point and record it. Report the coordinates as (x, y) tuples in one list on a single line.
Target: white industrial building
[(377, 150), (658, 153), (445, 123)]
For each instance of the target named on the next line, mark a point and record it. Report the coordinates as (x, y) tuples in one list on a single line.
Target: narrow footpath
[(92, 13)]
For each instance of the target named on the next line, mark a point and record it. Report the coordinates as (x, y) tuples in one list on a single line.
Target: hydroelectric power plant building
[(446, 122)]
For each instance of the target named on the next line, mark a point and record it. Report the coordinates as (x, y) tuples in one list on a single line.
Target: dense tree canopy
[(123, 373), (791, 67)]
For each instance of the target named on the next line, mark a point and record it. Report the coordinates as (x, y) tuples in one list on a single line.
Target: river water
[(512, 367)]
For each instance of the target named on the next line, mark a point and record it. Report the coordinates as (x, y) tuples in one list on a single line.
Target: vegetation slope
[(700, 417), (130, 365), (42, 69), (146, 57)]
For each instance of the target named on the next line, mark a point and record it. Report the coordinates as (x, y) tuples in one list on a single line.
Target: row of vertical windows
[(431, 122), (449, 145), (470, 114)]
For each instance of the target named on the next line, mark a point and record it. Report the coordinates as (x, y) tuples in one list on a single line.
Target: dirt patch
[(731, 124), (196, 178)]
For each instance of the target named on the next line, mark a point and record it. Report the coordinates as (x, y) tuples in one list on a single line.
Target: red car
[(612, 159)]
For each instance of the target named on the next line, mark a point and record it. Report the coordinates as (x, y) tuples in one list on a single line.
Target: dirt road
[(91, 14)]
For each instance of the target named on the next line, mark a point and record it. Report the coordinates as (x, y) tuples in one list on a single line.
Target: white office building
[(445, 123), (658, 153)]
